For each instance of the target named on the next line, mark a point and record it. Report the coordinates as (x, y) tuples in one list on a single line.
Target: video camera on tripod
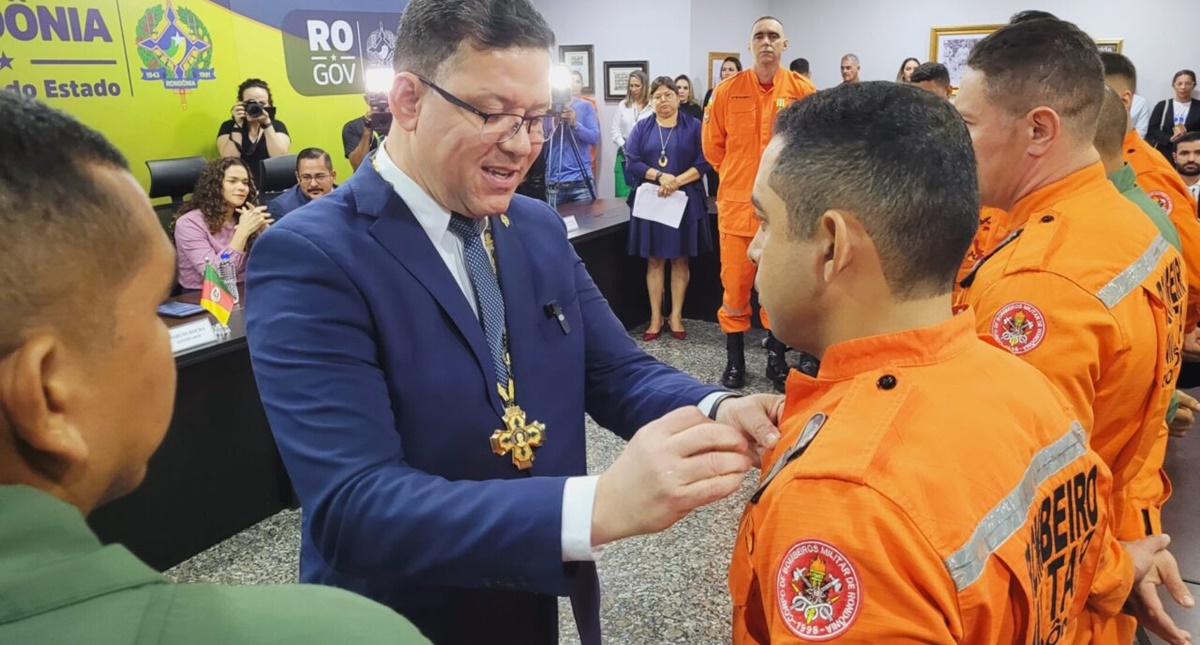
[(560, 101)]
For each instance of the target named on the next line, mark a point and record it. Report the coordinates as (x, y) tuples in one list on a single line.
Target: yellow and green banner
[(159, 77)]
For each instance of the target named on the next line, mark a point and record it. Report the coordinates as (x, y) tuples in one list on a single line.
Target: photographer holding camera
[(361, 136), (253, 134)]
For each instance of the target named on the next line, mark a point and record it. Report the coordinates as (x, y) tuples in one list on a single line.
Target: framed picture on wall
[(616, 77), (579, 59), (715, 59), (1110, 44), (951, 46)]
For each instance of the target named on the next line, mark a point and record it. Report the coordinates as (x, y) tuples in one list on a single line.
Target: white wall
[(675, 36), (622, 30), (721, 26), (883, 32)]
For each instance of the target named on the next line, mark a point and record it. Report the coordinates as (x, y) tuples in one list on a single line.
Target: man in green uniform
[(87, 383)]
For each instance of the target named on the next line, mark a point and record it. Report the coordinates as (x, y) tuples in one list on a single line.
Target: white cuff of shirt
[(579, 496), (707, 404)]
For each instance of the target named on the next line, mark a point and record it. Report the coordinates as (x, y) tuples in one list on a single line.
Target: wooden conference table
[(218, 471)]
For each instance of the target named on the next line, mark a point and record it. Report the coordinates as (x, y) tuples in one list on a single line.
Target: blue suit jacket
[(288, 201), (378, 385)]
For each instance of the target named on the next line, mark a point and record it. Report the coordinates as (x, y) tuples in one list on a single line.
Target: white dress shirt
[(1139, 113), (579, 493), (627, 116)]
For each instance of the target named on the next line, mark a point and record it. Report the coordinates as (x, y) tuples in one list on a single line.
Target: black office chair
[(173, 178), (278, 174)]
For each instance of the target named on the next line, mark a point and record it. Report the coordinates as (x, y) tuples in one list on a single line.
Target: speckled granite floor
[(664, 588)]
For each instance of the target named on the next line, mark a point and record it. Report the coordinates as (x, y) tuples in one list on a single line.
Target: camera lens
[(254, 109)]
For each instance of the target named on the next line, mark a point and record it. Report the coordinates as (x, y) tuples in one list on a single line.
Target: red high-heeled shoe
[(681, 334), (651, 335)]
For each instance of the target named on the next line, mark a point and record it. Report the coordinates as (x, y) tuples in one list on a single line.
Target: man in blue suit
[(426, 346)]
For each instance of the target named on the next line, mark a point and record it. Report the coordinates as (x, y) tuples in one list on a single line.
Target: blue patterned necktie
[(487, 291)]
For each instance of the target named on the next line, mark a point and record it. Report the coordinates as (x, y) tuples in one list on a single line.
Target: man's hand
[(757, 416), (1154, 566), (1191, 346), (568, 116), (1185, 414), (671, 467)]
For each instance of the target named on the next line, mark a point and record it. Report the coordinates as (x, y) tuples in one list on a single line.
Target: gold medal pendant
[(662, 161), (518, 437)]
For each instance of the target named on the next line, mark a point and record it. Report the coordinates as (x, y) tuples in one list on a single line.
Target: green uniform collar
[(50, 559), (1124, 179)]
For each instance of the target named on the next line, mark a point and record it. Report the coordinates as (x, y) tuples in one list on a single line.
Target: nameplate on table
[(572, 225), (191, 335)]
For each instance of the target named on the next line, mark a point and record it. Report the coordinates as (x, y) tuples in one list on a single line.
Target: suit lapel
[(521, 311), (397, 230)]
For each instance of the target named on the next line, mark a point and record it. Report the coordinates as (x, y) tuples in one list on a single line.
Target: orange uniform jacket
[(1162, 183), (1089, 292), (947, 496), (738, 125), (993, 228)]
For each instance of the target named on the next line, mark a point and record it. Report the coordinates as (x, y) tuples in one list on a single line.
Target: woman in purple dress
[(665, 151)]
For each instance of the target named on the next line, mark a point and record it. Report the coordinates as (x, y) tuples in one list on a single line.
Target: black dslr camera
[(255, 110), (381, 117)]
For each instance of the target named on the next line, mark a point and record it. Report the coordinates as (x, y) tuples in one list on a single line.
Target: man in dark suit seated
[(427, 345), (315, 178)]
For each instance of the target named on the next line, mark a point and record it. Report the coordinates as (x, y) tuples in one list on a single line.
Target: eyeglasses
[(500, 127), (659, 98), (320, 177)]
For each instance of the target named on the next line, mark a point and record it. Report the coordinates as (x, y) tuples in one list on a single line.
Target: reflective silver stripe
[(967, 563), (1133, 275)]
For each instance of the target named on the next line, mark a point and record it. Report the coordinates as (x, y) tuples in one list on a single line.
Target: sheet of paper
[(664, 210)]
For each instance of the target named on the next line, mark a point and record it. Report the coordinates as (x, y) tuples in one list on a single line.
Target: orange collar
[(1044, 198), (922, 346)]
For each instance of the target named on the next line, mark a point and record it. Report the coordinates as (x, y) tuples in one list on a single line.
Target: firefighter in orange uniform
[(1160, 180), (889, 512), (737, 127), (1085, 288), (993, 228)]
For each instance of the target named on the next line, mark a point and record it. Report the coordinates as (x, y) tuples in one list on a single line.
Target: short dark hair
[(1112, 125), (64, 233), (577, 74), (901, 160), (800, 66), (1048, 63), (1029, 15), (314, 153), (1188, 137), (1119, 65), (932, 72), (432, 31), (662, 81), (1184, 72), (255, 82), (737, 62)]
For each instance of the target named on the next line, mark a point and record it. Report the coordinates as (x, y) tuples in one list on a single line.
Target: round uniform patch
[(1163, 200), (1019, 327), (818, 591)]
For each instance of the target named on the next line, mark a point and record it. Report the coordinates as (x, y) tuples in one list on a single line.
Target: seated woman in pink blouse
[(220, 218)]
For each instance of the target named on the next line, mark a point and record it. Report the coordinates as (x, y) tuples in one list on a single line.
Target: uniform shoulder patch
[(1019, 327), (1163, 200), (818, 591)]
